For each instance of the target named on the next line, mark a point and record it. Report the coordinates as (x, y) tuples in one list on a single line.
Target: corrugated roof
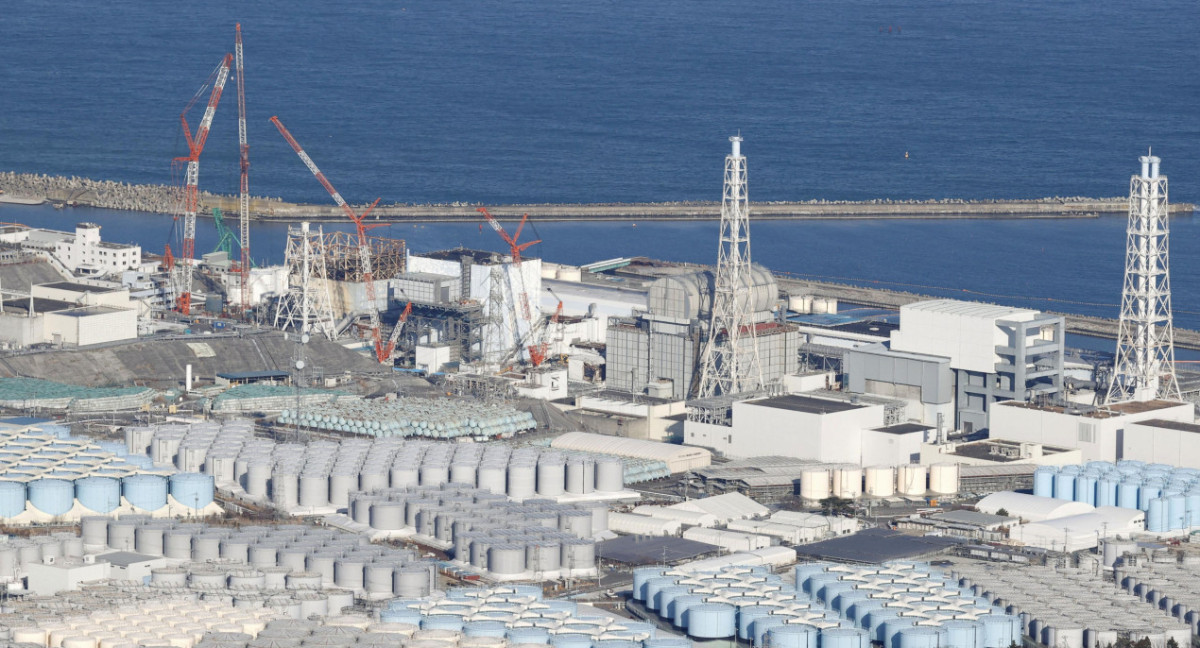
[(1031, 507), (678, 458), (730, 506), (968, 309)]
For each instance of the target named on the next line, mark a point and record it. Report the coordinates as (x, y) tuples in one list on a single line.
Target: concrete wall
[(21, 330), (93, 328), (963, 331), (1155, 444), (757, 430), (47, 580), (883, 448), (1098, 439)]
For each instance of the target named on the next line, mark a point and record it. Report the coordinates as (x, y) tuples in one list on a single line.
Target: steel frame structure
[(1144, 368), (307, 306), (727, 367)]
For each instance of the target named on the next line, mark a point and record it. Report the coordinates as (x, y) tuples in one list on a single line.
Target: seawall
[(163, 199)]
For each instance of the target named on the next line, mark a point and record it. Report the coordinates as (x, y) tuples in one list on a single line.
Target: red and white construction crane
[(515, 250), (244, 157), (395, 337), (541, 347), (382, 351), (191, 196)]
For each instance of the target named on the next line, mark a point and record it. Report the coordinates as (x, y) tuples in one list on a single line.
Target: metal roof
[(251, 375), (806, 404), (125, 558), (730, 506), (646, 550), (876, 546), (970, 518), (967, 309)]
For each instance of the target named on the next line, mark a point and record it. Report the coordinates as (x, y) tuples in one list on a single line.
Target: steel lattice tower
[(306, 307), (1145, 362), (730, 363)]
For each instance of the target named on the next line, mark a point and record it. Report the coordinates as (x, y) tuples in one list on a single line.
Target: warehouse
[(1098, 432), (1082, 531), (1031, 508), (677, 458)]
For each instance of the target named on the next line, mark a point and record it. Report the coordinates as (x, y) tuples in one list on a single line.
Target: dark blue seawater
[(541, 101), (606, 100)]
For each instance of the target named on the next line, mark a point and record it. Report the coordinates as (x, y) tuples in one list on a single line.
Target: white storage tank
[(880, 481), (943, 478), (814, 484), (911, 479), (551, 475), (506, 559), (847, 482)]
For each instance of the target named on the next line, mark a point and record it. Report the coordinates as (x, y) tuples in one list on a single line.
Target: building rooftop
[(253, 375), (806, 404), (968, 309), (125, 558), (903, 428), (1103, 412), (647, 550), (87, 311), (877, 546), (20, 305), (80, 287), (477, 256), (971, 518), (1171, 425)]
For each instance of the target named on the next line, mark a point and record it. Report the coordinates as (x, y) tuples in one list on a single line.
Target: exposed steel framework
[(1145, 363), (244, 159), (343, 259), (730, 364), (515, 250), (191, 196), (382, 351)]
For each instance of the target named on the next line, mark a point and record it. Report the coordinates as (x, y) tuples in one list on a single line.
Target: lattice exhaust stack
[(730, 364), (1145, 362)]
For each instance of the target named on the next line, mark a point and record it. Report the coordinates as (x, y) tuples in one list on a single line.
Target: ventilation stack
[(1144, 369), (729, 364)]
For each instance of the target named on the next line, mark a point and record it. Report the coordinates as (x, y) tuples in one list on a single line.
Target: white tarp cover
[(730, 506), (1032, 508), (1082, 531), (678, 458), (631, 524)]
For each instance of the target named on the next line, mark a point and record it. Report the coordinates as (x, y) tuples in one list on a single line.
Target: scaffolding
[(306, 308), (344, 262)]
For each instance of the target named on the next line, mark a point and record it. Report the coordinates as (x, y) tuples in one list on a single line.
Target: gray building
[(661, 347)]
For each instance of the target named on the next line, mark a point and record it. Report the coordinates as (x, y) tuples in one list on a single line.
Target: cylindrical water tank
[(1043, 481), (348, 573), (99, 494), (1000, 630), (911, 479), (258, 476), (844, 638), (285, 487), (1156, 516), (1128, 492), (52, 496), (943, 478), (193, 490), (148, 540), (177, 544), (1176, 512), (507, 559), (522, 480), (880, 481), (712, 621), (413, 581), (491, 478), (581, 476), (551, 475), (387, 516), (793, 635), (610, 474), (847, 482), (922, 637), (146, 492), (814, 484), (94, 530), (963, 633)]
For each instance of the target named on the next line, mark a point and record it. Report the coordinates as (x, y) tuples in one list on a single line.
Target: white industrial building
[(82, 252), (1061, 525), (676, 457), (810, 427), (1100, 433), (991, 353), (1157, 440), (70, 313), (265, 283)]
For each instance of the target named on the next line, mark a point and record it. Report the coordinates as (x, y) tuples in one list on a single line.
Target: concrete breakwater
[(164, 199)]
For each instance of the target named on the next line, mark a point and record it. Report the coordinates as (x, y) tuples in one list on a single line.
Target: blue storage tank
[(815, 582), (877, 621), (963, 633), (529, 590), (1106, 491), (12, 499), (1043, 481), (679, 606), (530, 635), (442, 622), (98, 494), (1156, 516), (641, 576), (760, 626), (747, 616), (52, 496), (1000, 630), (803, 571), (141, 461), (666, 595), (56, 431), (860, 610), (845, 600), (400, 615), (891, 630), (921, 637), (117, 448), (1064, 489), (1149, 491), (793, 635), (830, 591), (712, 621), (485, 629), (571, 640), (192, 489), (1192, 508), (1085, 488), (654, 586), (665, 642), (844, 638), (1127, 493), (1176, 512), (147, 492)]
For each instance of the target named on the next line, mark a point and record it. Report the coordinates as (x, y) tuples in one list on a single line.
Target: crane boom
[(244, 158), (395, 337), (382, 351), (191, 202)]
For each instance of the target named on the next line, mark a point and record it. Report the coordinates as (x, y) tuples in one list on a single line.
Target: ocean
[(545, 101)]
